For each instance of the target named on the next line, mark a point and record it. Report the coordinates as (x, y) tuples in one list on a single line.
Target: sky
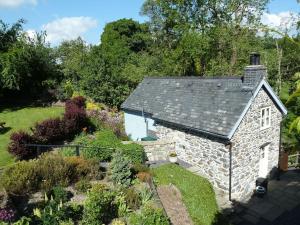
[(68, 19)]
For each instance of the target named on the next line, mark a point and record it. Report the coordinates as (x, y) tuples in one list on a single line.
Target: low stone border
[(156, 150)]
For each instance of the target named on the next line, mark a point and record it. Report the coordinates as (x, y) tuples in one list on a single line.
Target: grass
[(21, 119), (197, 193)]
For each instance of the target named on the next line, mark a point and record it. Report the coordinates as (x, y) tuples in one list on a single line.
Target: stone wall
[(210, 155), (247, 142), (156, 150)]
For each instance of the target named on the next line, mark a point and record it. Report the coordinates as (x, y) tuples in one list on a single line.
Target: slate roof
[(209, 105)]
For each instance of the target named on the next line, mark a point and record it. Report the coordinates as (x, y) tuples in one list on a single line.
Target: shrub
[(59, 194), (7, 215), (105, 143), (102, 146), (17, 145), (54, 170), (74, 120), (81, 167), (79, 101), (21, 178), (149, 215), (132, 199), (134, 152), (108, 119), (99, 206), (144, 176), (122, 206), (83, 185), (49, 131), (139, 167), (120, 169)]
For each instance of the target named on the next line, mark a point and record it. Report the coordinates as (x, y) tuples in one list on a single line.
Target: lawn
[(21, 118), (197, 193)]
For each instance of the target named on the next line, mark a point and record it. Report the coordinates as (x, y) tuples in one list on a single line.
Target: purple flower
[(7, 214)]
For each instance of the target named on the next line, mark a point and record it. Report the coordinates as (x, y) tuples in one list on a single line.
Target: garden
[(107, 183)]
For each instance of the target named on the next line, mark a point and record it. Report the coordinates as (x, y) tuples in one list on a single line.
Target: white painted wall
[(135, 125)]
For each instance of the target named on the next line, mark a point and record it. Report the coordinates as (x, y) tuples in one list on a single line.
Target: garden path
[(171, 199)]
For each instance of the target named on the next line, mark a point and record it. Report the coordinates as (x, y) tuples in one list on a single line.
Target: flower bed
[(122, 197)]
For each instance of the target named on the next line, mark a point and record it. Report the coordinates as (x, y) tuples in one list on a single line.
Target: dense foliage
[(24, 177), (99, 206), (121, 169), (102, 144), (17, 145), (181, 38)]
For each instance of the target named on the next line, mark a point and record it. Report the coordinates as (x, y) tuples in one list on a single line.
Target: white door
[(263, 161)]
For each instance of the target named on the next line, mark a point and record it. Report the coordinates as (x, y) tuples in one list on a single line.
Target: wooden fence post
[(38, 150), (77, 150)]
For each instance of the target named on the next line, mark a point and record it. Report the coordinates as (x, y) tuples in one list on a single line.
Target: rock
[(4, 199)]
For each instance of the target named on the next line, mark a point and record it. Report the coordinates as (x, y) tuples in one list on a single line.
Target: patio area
[(281, 205)]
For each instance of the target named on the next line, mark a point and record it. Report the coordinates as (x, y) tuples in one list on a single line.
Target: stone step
[(193, 169)]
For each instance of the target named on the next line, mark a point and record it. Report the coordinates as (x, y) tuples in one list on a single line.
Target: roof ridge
[(195, 77)]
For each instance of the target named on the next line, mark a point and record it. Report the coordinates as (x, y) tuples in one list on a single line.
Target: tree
[(28, 66), (72, 56), (10, 34)]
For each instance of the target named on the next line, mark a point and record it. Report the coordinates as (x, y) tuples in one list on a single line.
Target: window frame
[(264, 118)]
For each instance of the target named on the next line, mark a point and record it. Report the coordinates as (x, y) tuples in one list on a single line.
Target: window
[(265, 117)]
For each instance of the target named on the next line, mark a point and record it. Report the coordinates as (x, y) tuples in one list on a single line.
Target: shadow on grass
[(4, 130)]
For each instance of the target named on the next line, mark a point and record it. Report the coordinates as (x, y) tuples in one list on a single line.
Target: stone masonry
[(208, 154), (212, 155), (156, 150), (247, 142)]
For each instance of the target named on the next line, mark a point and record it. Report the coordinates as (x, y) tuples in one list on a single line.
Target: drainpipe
[(229, 145), (279, 149)]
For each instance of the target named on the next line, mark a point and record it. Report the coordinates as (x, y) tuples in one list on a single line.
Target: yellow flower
[(37, 212)]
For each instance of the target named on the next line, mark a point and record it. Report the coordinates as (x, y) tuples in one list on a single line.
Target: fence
[(43, 148), (294, 160)]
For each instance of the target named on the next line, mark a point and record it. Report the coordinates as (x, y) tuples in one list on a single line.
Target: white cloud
[(31, 33), (68, 28), (16, 3), (283, 21)]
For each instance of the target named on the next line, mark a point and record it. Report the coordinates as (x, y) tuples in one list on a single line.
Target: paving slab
[(251, 218), (273, 213)]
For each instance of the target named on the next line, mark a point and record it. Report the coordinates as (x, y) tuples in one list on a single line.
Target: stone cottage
[(227, 126)]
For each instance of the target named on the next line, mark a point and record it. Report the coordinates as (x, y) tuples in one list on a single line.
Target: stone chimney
[(254, 73)]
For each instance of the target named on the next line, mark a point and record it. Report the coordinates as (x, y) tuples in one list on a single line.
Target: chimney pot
[(254, 58)]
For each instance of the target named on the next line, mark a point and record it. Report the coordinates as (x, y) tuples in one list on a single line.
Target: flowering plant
[(7, 214)]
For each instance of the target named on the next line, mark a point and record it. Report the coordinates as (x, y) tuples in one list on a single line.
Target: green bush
[(21, 178), (101, 147), (59, 194), (134, 152), (121, 169), (139, 167), (83, 185), (54, 171), (47, 172), (149, 215), (132, 199), (84, 168), (104, 143), (99, 206)]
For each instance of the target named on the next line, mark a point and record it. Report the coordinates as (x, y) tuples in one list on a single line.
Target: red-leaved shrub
[(78, 101), (17, 145), (74, 119), (49, 131)]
